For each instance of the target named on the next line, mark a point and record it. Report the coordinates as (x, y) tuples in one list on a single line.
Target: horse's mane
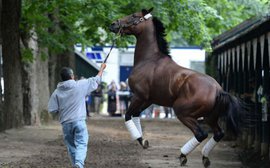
[(160, 34)]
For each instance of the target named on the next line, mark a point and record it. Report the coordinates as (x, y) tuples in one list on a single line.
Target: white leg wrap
[(208, 147), (134, 133), (137, 122), (190, 146)]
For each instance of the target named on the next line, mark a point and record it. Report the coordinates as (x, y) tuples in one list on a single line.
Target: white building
[(120, 61)]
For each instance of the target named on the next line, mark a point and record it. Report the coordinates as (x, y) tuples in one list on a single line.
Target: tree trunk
[(13, 99), (1, 23), (43, 87), (66, 59), (52, 71), (52, 56), (56, 62), (35, 84), (1, 74)]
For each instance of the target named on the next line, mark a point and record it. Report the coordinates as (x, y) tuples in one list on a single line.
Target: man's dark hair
[(66, 73)]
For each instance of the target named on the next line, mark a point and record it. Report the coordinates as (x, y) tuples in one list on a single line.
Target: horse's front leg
[(133, 122)]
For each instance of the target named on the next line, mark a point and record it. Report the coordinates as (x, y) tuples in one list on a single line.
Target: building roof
[(90, 62), (240, 30)]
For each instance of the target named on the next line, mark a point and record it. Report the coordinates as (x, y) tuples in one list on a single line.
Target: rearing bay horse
[(157, 79)]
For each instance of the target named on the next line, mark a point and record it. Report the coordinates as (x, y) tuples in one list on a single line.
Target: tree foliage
[(190, 22)]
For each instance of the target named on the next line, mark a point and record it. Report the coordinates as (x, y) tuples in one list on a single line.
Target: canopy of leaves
[(62, 23)]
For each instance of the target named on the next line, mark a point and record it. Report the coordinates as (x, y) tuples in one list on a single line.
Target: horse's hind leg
[(199, 136), (209, 146)]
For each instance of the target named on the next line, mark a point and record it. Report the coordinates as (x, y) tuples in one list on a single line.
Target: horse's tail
[(230, 107)]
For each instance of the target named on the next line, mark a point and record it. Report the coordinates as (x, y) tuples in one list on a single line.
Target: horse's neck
[(146, 46)]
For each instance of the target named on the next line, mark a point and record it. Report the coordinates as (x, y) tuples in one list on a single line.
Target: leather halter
[(134, 20)]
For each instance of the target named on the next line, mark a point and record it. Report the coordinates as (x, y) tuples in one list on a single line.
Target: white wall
[(184, 56), (112, 69), (116, 58)]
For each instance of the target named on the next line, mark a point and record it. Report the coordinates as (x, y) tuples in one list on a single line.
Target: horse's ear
[(145, 12), (150, 10)]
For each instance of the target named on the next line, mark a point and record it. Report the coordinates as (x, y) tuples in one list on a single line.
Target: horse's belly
[(162, 100)]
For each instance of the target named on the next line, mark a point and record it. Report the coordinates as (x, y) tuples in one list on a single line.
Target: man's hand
[(102, 67)]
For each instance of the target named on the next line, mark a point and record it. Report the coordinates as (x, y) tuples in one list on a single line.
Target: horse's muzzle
[(114, 27)]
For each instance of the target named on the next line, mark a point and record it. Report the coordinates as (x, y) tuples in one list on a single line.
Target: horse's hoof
[(145, 144), (206, 162), (183, 160)]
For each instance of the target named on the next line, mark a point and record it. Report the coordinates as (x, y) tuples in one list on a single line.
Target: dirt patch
[(109, 146)]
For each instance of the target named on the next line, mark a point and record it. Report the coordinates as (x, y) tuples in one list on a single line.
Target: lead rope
[(110, 51), (114, 40)]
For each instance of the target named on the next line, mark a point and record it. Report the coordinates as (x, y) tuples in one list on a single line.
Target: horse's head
[(131, 24)]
